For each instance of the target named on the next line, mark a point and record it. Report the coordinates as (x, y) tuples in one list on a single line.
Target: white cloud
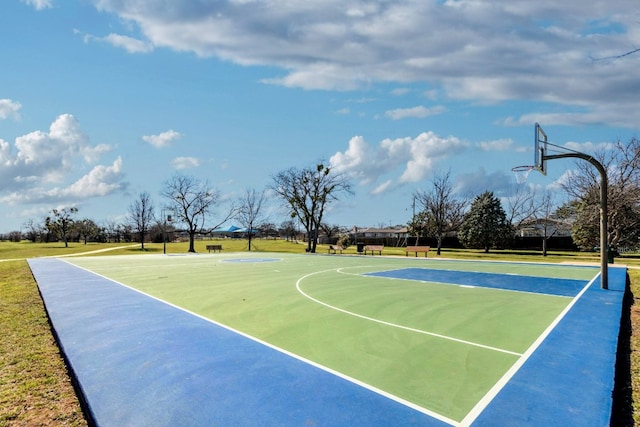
[(382, 188), (130, 44), (406, 159), (99, 182), (163, 139), (419, 112), (44, 159), (39, 4), (473, 50), (185, 163), (9, 109), (588, 146), (50, 155), (355, 161), (496, 145)]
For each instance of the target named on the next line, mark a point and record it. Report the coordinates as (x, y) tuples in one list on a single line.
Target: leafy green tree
[(485, 225), (88, 230), (420, 225), (622, 163), (60, 223)]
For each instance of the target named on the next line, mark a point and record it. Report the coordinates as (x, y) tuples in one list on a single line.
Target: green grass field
[(393, 335), (39, 392)]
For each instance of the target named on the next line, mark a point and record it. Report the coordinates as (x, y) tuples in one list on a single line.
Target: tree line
[(483, 221), (486, 221)]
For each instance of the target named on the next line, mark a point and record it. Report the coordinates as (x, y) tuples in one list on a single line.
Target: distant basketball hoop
[(522, 173)]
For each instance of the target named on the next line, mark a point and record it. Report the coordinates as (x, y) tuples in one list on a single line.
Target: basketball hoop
[(522, 173)]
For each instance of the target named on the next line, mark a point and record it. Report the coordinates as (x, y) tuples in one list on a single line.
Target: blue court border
[(512, 282), (139, 361)]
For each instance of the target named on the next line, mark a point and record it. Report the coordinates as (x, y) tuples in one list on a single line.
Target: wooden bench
[(214, 248), (373, 248), (417, 249), (335, 248)]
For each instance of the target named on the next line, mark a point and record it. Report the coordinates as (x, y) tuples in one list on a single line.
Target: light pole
[(164, 230)]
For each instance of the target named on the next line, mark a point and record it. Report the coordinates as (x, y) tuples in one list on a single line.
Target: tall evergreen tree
[(485, 225)]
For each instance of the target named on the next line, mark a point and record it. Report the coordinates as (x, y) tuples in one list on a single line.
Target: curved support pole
[(604, 246)]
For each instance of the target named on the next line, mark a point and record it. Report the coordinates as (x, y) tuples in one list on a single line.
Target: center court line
[(394, 325)]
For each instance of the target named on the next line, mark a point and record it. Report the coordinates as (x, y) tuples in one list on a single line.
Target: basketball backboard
[(540, 150)]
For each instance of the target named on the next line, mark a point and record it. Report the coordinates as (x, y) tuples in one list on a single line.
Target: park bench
[(214, 248), (335, 248), (373, 248), (417, 249)]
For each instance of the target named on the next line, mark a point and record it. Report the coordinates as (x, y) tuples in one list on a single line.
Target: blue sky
[(101, 100)]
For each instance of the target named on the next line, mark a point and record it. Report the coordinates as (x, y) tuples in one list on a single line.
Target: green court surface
[(438, 347)]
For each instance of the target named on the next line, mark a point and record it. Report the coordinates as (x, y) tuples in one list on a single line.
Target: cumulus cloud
[(37, 166), (100, 181), (163, 139), (180, 163), (9, 109), (473, 50), (406, 159)]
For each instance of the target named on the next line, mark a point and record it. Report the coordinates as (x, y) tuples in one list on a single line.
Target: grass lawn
[(35, 388)]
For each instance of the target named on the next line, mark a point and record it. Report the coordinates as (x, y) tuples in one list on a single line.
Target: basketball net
[(522, 173)]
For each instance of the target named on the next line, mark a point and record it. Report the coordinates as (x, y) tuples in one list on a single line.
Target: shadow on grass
[(622, 408), (145, 250)]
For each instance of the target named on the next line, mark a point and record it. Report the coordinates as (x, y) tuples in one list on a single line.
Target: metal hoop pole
[(604, 246)]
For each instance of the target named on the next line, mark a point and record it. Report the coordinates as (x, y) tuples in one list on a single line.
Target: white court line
[(362, 384), (395, 325), (493, 392)]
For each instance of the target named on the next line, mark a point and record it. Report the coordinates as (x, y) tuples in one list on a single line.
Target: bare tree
[(141, 216), (443, 212), (191, 201), (307, 192), (250, 210), (114, 231), (520, 206), (33, 230), (545, 218), (289, 229), (331, 231), (60, 223)]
